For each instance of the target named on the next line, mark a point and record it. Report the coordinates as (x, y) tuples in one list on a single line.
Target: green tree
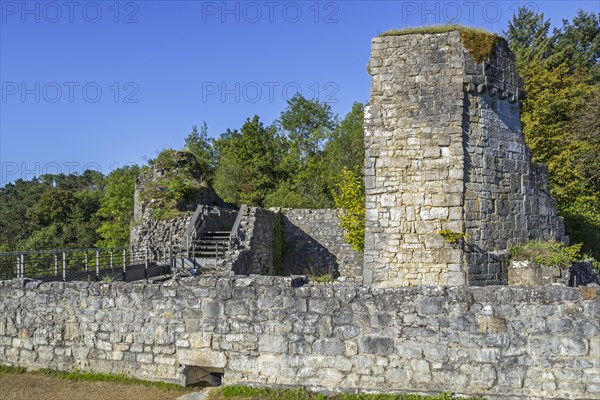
[(553, 99), (55, 206), (586, 127), (199, 144), (307, 188), (560, 114), (345, 149), (246, 172), (116, 207), (15, 199), (577, 44), (307, 124), (527, 35), (64, 214)]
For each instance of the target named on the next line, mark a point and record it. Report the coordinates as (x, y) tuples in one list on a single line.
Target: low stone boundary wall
[(498, 342)]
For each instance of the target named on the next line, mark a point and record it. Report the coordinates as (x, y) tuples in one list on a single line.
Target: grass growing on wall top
[(547, 253), (478, 42)]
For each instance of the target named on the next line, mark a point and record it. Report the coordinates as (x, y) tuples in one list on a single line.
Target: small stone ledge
[(480, 89)]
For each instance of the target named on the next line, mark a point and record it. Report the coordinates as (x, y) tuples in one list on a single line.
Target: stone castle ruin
[(450, 186), (445, 152)]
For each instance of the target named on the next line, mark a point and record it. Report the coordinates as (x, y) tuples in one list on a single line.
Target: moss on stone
[(479, 45), (478, 42)]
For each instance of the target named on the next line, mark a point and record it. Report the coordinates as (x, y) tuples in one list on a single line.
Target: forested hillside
[(309, 158)]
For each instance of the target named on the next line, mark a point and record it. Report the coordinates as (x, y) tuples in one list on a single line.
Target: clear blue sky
[(105, 83)]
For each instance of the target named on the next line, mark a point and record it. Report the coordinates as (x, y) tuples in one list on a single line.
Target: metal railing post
[(124, 265), (86, 260), (55, 264), (97, 265), (146, 264), (64, 267), (22, 265), (111, 259)]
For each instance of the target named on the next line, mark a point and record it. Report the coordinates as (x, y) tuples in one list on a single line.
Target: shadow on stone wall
[(304, 254)]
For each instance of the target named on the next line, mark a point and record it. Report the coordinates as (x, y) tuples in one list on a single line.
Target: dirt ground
[(39, 387)]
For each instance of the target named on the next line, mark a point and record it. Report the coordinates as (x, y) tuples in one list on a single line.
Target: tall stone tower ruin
[(445, 151)]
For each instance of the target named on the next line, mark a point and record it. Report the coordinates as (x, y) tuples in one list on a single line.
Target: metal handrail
[(234, 231), (62, 262), (196, 225)]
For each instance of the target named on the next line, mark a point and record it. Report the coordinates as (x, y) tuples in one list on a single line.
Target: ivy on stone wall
[(350, 197), (278, 245)]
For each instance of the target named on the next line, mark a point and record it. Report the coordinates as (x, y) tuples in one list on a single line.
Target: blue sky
[(100, 84)]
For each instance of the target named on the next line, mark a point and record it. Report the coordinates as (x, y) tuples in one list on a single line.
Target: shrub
[(454, 238), (350, 197), (173, 179), (547, 253)]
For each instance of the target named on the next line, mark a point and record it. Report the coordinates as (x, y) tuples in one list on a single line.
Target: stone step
[(210, 245)]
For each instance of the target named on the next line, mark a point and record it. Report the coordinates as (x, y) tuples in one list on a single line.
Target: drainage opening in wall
[(208, 376)]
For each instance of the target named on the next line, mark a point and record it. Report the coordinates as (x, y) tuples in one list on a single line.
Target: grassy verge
[(75, 375), (248, 393)]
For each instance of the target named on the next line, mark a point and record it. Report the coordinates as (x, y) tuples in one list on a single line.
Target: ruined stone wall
[(497, 342), (506, 200), (444, 151), (158, 235), (252, 249), (414, 161), (315, 244)]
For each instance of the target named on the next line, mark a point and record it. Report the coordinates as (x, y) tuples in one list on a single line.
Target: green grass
[(226, 392), (434, 29), (546, 253), (75, 375), (248, 393), (478, 42)]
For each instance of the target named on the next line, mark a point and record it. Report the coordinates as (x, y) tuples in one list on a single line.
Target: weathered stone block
[(376, 345)]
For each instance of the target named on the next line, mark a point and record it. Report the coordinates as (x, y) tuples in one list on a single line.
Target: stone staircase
[(206, 239), (203, 252), (212, 245)]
